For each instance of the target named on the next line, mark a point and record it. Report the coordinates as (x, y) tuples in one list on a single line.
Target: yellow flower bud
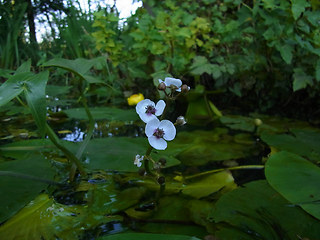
[(135, 98)]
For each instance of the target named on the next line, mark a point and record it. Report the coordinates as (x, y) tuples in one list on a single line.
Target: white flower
[(148, 110), (160, 132), (168, 81), (138, 160)]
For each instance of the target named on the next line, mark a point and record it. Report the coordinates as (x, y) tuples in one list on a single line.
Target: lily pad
[(267, 215), (118, 153), (304, 142), (238, 122), (296, 179), (200, 147)]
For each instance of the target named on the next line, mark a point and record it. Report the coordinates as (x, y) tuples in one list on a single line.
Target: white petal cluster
[(138, 160), (148, 110), (157, 132), (160, 132)]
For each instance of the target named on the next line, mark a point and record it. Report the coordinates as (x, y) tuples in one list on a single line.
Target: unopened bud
[(181, 121), (257, 122), (162, 86), (161, 180), (185, 88)]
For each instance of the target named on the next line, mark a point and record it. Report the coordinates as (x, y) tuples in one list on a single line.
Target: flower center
[(158, 133), (150, 110)]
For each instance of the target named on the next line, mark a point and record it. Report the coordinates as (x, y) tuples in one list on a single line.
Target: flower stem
[(146, 161)]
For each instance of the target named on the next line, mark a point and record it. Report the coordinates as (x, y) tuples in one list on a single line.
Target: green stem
[(72, 158), (20, 101), (86, 140), (90, 130), (28, 177), (223, 169), (146, 161)]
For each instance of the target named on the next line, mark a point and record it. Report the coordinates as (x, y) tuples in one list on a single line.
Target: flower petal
[(147, 117), (151, 126), (169, 129), (157, 143), (141, 106), (160, 107), (172, 81)]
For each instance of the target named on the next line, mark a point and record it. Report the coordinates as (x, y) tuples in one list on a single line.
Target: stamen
[(158, 133), (150, 110)]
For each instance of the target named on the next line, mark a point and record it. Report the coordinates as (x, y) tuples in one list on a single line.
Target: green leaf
[(267, 215), (238, 122), (301, 79), (5, 73), (318, 71), (118, 153), (202, 187), (36, 98), (296, 179), (100, 113), (25, 67), (304, 142), (13, 87), (298, 7), (146, 236), (197, 148), (78, 66), (286, 53), (55, 90), (17, 192)]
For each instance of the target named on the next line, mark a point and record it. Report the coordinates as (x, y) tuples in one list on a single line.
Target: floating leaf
[(238, 122), (100, 113), (267, 215), (296, 179), (201, 147), (304, 142)]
